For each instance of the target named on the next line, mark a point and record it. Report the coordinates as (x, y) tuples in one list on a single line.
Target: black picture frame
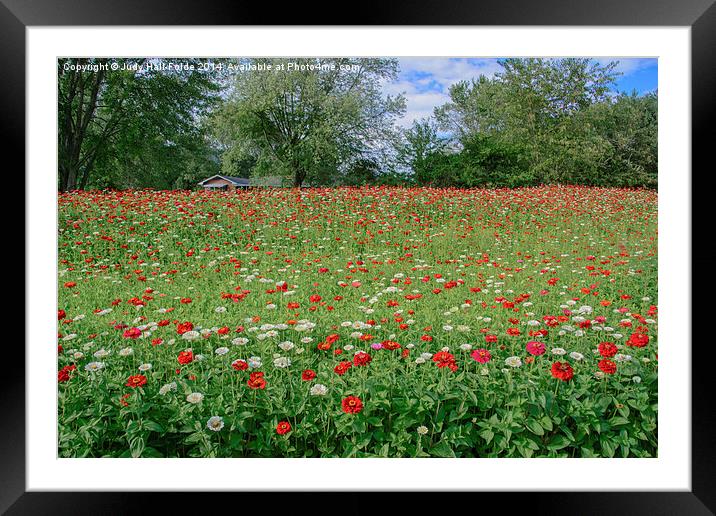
[(700, 15)]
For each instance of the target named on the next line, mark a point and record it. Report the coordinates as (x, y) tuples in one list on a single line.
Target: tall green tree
[(418, 143), (303, 117), (530, 103), (120, 113)]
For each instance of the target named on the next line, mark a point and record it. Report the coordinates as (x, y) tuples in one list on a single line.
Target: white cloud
[(426, 81), (627, 66)]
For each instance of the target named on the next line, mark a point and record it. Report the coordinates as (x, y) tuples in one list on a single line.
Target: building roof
[(237, 181)]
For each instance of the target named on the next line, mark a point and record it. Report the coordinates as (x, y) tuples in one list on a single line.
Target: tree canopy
[(136, 123), (300, 117)]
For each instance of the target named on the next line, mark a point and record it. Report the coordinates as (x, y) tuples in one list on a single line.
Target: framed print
[(444, 249)]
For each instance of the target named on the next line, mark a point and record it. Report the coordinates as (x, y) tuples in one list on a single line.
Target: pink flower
[(481, 355), (535, 348)]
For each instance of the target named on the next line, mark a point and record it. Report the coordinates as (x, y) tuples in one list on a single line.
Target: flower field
[(358, 322)]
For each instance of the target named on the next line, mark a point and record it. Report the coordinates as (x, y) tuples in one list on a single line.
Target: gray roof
[(238, 181)]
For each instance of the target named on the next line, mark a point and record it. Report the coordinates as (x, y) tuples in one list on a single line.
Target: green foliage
[(306, 118), (483, 161), (547, 121), (135, 126)]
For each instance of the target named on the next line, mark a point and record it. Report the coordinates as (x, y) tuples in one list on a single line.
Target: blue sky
[(425, 81)]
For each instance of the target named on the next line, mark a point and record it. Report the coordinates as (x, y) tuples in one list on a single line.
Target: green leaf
[(608, 448), (442, 449), (136, 447), (535, 427), (153, 425), (616, 421), (557, 443)]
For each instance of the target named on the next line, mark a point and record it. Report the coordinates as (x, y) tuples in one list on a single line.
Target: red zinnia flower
[(390, 344), (61, 314), (562, 371), (136, 380), (256, 380), (184, 327), (63, 374), (638, 340), (607, 366), (132, 333), (352, 405), (283, 428), (342, 367), (308, 375), (362, 359), (607, 349), (185, 357), (239, 365)]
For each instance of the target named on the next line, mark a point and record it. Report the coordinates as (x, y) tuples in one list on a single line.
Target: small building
[(218, 182)]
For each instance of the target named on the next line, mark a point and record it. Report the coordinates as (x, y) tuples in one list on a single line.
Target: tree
[(137, 111), (531, 104), (419, 141), (303, 117), (624, 132)]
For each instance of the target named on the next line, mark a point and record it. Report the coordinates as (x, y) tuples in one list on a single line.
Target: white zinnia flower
[(101, 353), (513, 361), (145, 367), (422, 430), (282, 362), (319, 390), (559, 351), (215, 423), (286, 346), (94, 366), (221, 351), (239, 341), (168, 387), (195, 397), (191, 335)]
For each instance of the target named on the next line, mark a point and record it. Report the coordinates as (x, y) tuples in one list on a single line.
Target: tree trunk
[(299, 176)]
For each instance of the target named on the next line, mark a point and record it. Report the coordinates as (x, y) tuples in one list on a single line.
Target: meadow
[(358, 322)]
